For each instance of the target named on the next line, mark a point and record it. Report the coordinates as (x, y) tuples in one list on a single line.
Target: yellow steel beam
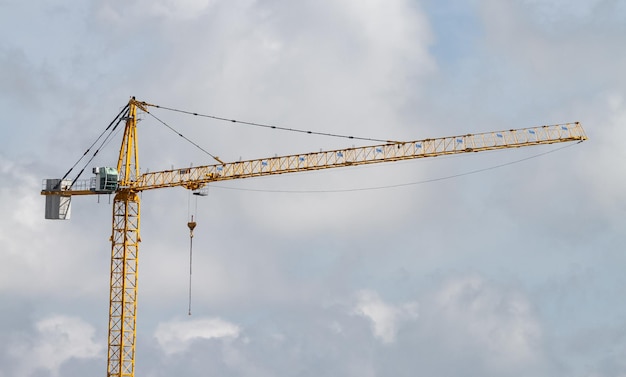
[(196, 177), (128, 162), (123, 288)]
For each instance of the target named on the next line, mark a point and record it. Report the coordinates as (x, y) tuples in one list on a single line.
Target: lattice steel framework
[(123, 297), (195, 177), (124, 256)]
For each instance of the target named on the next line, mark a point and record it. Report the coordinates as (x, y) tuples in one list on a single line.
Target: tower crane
[(126, 182)]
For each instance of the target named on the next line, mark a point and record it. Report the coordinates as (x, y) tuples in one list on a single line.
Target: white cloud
[(608, 148), (41, 265), (353, 67), (171, 10), (176, 336), (16, 203), (299, 79), (562, 10), (385, 317), (57, 339), (499, 322), (186, 9)]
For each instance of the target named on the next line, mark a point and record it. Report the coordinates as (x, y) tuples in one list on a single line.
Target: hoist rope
[(190, 271), (254, 124), (192, 225)]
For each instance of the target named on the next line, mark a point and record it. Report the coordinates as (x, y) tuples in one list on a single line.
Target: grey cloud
[(285, 268)]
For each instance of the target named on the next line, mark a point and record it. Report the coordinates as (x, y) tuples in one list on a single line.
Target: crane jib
[(195, 177)]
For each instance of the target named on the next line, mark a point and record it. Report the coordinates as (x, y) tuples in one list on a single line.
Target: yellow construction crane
[(126, 182)]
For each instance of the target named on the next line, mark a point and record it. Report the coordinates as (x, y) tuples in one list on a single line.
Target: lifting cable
[(191, 224), (119, 117)]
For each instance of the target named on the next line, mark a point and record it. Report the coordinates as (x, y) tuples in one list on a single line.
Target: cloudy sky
[(401, 269)]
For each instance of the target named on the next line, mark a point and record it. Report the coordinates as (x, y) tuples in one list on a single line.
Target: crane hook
[(192, 226)]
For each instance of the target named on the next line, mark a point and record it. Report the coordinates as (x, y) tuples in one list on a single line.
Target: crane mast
[(125, 236), (124, 256)]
